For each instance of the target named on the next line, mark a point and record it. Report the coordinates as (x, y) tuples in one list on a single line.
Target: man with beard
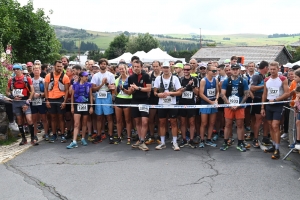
[(65, 62), (56, 93)]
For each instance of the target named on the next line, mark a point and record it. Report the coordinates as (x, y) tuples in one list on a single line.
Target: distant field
[(103, 39)]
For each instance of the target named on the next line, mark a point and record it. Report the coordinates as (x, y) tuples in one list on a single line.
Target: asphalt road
[(105, 171)]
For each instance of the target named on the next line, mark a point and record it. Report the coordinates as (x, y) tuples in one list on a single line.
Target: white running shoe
[(13, 127), (160, 146), (176, 147)]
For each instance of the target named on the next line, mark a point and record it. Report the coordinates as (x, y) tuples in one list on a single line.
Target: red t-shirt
[(20, 84)]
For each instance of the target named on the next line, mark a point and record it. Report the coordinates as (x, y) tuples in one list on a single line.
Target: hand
[(91, 110), (213, 102), (63, 105), (17, 98), (111, 87), (104, 80), (191, 82), (48, 104), (234, 107), (134, 86), (263, 112), (72, 109), (24, 107)]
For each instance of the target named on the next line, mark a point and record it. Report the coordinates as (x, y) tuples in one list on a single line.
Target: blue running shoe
[(72, 145), (53, 138), (215, 138), (210, 143), (83, 142), (63, 139), (241, 147), (46, 137), (224, 147), (201, 145)]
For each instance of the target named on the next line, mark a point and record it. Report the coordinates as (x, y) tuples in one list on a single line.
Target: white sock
[(174, 140), (162, 139), (74, 141)]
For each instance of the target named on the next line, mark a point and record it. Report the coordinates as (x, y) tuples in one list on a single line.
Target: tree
[(117, 47), (95, 55), (143, 42), (29, 32), (296, 55)]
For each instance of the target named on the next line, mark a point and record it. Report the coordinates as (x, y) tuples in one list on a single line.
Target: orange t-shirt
[(55, 93), (293, 87)]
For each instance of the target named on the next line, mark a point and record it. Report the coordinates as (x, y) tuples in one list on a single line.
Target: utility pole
[(200, 39), (79, 51)]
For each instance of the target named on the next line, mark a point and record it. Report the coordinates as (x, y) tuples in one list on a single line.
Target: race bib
[(234, 100), (167, 100), (273, 91), (82, 107), (211, 92), (17, 92), (102, 95), (37, 102), (143, 108), (187, 95), (123, 93)]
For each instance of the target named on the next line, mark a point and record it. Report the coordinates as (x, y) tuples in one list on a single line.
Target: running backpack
[(25, 82), (240, 87), (162, 87)]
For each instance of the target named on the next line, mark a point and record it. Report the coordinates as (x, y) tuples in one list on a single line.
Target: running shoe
[(143, 147), (103, 136), (83, 142), (276, 154), (230, 141), (63, 139), (118, 141), (247, 129), (297, 146), (176, 147), (192, 144), (111, 140), (210, 143), (249, 136), (34, 142), (53, 138), (46, 137), (201, 144), (136, 145), (78, 138), (266, 142), (160, 146), (183, 143), (255, 144), (97, 139), (270, 150), (246, 145), (284, 136), (150, 141), (292, 146), (215, 137), (224, 147), (197, 139), (128, 141), (72, 145), (241, 147), (23, 141)]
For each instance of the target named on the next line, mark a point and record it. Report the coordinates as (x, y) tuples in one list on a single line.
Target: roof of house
[(295, 44), (251, 53)]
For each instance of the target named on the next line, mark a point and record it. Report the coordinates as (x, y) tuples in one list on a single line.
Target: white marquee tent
[(140, 54), (126, 56)]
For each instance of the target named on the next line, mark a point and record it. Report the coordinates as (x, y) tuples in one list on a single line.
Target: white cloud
[(167, 16)]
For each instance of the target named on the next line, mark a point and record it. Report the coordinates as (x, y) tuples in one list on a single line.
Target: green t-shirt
[(121, 94)]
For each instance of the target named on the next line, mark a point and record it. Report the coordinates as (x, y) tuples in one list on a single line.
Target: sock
[(31, 130), (276, 146), (174, 140), (240, 142), (21, 129), (95, 131), (162, 139), (74, 141)]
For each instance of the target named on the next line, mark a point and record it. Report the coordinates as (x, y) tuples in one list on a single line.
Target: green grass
[(10, 139)]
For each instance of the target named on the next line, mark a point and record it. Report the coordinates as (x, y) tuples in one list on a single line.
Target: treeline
[(195, 38), (70, 46), (178, 46), (66, 32), (226, 38), (276, 35)]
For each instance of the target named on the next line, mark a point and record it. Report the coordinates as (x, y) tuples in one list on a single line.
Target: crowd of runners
[(98, 102)]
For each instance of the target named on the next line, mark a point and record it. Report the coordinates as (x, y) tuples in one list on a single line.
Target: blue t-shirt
[(235, 86)]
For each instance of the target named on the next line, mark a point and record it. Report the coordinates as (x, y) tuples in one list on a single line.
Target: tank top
[(209, 90), (275, 87)]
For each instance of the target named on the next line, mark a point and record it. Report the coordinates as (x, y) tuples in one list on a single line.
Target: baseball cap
[(243, 68), (84, 73), (202, 65), (226, 61), (289, 65), (29, 64), (235, 66), (17, 66), (166, 64), (25, 71), (37, 62), (179, 65), (95, 65)]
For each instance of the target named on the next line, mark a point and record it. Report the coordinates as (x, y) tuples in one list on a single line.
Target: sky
[(173, 16)]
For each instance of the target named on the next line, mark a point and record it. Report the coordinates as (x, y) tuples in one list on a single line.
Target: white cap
[(166, 64), (289, 65), (243, 68)]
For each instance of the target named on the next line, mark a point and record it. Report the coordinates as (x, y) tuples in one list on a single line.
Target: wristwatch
[(140, 88)]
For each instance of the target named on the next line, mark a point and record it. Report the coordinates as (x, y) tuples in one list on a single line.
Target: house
[(295, 44), (254, 54)]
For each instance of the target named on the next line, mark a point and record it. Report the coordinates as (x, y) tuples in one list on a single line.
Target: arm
[(254, 88), (286, 93), (66, 92), (246, 95), (72, 100), (223, 96), (32, 92), (177, 93), (264, 96), (217, 90)]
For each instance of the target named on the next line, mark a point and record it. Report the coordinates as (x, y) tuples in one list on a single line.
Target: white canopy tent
[(158, 54), (126, 56), (140, 54), (296, 63)]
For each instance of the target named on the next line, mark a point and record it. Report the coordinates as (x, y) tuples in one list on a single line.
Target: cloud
[(167, 16)]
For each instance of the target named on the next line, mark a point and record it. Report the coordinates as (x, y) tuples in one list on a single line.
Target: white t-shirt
[(166, 82), (97, 79)]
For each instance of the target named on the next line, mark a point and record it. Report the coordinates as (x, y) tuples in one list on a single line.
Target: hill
[(102, 39)]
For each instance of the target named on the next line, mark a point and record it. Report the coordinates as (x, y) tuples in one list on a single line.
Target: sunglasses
[(186, 69), (193, 63), (15, 69), (213, 71), (202, 68)]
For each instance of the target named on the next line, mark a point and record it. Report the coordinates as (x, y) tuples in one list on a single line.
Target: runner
[(140, 85), (275, 89), (167, 87), (257, 87), (179, 70), (81, 96), (56, 92), (234, 91), (21, 91), (123, 97), (209, 94), (104, 83), (153, 100), (297, 110), (38, 106), (189, 89)]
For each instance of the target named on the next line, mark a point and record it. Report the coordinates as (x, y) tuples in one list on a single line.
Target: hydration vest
[(162, 87), (25, 82), (61, 85), (81, 92), (240, 87)]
